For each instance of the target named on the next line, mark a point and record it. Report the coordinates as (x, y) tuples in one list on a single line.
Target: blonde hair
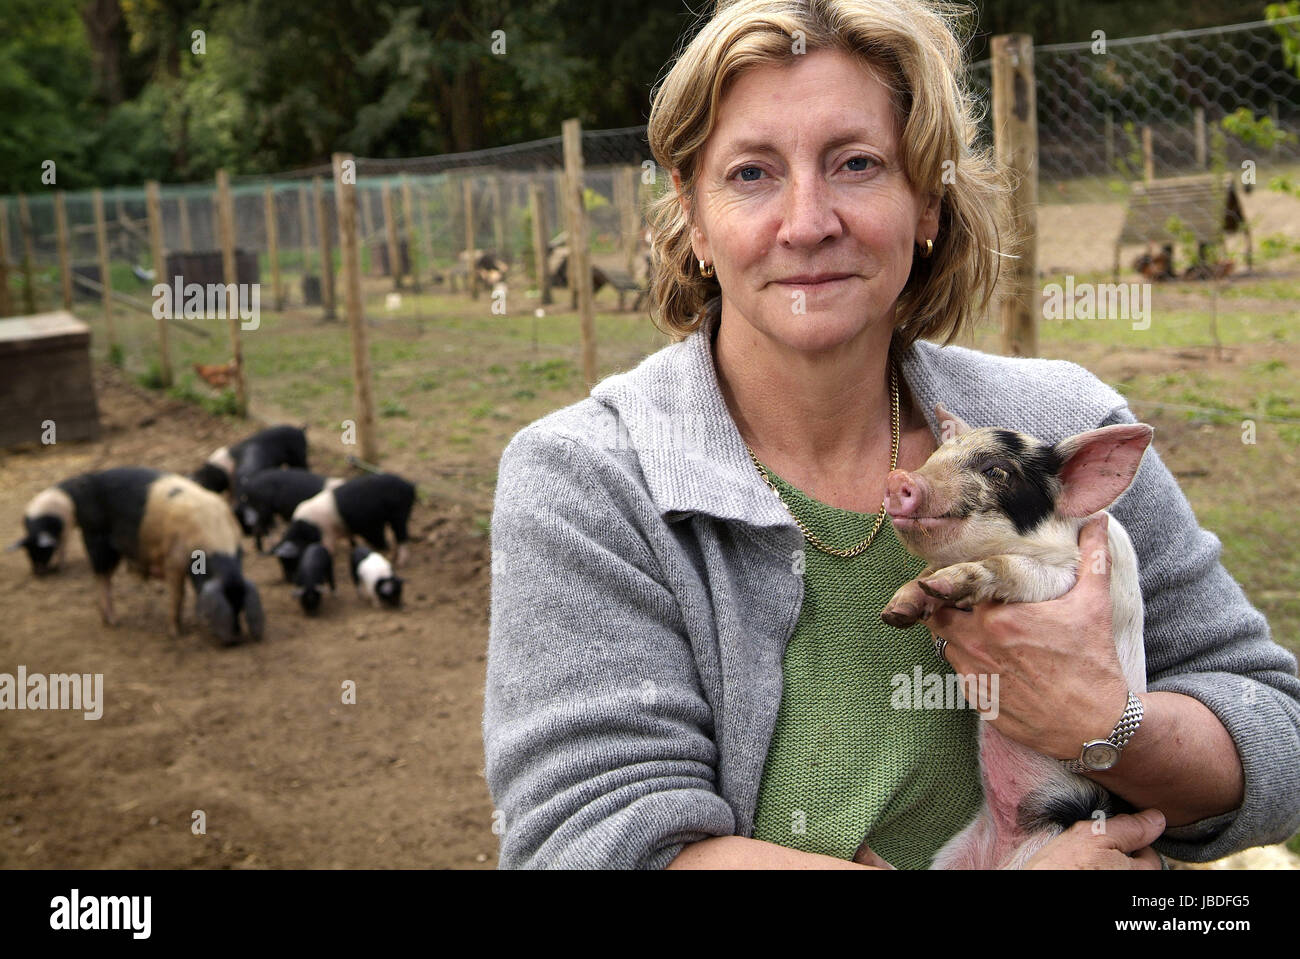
[(914, 46)]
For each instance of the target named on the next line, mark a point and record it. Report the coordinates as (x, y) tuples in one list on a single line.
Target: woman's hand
[(1059, 678), (1079, 847)]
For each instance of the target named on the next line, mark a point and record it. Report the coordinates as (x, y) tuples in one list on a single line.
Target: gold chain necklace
[(880, 517)]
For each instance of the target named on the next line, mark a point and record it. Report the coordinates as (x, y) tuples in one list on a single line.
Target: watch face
[(1100, 755)]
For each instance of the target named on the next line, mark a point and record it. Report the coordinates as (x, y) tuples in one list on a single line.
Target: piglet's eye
[(995, 473)]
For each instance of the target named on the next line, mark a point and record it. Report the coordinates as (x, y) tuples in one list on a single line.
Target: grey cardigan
[(643, 593)]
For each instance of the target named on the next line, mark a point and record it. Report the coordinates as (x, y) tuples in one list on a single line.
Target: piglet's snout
[(904, 494)]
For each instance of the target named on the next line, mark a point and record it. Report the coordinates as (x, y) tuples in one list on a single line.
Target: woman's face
[(802, 207)]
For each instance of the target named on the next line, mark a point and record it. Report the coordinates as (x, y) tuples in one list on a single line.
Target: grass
[(220, 404)]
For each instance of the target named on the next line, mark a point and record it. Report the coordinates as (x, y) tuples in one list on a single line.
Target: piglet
[(170, 527), (315, 572), (48, 518), (373, 576), (996, 514), (275, 492), (228, 467), (361, 507)]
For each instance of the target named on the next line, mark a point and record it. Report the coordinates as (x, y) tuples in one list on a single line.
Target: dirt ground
[(257, 737)]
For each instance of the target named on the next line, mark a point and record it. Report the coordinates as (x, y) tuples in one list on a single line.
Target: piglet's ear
[(215, 613), (1099, 465), (950, 424)]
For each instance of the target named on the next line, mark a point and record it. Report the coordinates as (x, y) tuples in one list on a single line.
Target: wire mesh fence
[(1110, 113), (436, 208), (1096, 97)]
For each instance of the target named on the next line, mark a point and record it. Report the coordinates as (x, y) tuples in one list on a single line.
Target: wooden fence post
[(153, 207), (408, 217), (498, 217), (562, 215), (453, 203), (65, 262), (304, 216), (471, 276), (326, 250), (1202, 147), (105, 279), (579, 253), (273, 247), (618, 201), (6, 305), (25, 227), (537, 211), (630, 213), (1015, 131), (1148, 155), (368, 230), (230, 275), (346, 201), (426, 237), (187, 238), (390, 233)]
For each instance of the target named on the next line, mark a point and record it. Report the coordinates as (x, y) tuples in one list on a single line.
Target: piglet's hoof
[(901, 614), (938, 587)]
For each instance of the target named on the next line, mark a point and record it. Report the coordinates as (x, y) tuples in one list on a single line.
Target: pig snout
[(905, 494)]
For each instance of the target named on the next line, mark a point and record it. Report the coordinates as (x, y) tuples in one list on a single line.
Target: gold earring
[(929, 248), (705, 269)]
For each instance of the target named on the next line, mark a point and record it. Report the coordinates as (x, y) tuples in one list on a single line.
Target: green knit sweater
[(845, 763)]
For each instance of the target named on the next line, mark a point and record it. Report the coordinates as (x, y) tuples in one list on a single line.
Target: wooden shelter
[(1207, 205), (45, 378)]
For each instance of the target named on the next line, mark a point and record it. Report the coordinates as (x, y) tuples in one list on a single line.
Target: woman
[(686, 670)]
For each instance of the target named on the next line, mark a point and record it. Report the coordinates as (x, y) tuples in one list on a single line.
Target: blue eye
[(749, 169), (863, 160)]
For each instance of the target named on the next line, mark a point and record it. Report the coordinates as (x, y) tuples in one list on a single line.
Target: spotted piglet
[(361, 507), (228, 467), (374, 577), (47, 520), (996, 516)]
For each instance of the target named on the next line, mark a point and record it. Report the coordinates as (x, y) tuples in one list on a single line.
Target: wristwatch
[(1102, 754)]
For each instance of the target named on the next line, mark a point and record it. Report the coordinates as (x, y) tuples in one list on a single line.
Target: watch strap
[(1119, 736)]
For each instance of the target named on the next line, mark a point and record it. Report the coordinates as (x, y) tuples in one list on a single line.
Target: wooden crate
[(45, 375)]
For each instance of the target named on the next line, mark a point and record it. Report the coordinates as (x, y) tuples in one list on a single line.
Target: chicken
[(216, 375)]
